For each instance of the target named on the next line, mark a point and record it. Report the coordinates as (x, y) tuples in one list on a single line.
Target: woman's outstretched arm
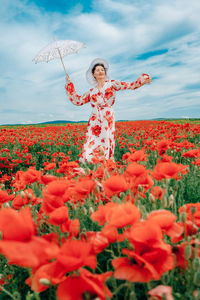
[(72, 94), (121, 85)]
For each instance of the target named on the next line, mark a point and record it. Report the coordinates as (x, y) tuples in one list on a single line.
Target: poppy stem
[(8, 293)]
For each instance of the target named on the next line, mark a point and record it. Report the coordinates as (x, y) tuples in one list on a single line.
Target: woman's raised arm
[(121, 85), (72, 94)]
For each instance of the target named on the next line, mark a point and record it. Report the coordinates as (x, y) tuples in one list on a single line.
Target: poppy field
[(122, 229)]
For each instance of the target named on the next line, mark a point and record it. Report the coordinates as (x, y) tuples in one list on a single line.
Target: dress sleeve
[(121, 85), (74, 97)]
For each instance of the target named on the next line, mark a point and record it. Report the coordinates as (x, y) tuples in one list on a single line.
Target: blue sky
[(161, 38)]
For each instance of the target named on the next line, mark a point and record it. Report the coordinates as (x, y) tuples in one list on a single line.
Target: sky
[(157, 37)]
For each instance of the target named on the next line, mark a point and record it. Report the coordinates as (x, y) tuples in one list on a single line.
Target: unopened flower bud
[(197, 278), (188, 251), (164, 202), (183, 217), (91, 210), (196, 263), (171, 199), (1, 235), (122, 195), (22, 194), (140, 188), (152, 198), (165, 279), (6, 204), (116, 200), (30, 196), (45, 281), (17, 295), (196, 294), (192, 209), (84, 210)]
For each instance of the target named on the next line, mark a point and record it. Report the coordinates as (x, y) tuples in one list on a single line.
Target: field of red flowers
[(123, 229)]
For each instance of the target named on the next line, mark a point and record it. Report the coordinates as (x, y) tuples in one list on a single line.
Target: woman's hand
[(67, 78), (147, 78)]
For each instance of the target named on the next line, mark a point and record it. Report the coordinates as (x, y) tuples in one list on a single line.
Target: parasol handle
[(62, 61)]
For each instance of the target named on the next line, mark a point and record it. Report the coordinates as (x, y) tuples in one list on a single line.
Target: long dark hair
[(96, 65)]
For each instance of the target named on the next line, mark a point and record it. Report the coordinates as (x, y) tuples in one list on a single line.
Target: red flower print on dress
[(91, 144), (94, 98), (108, 93), (93, 118), (96, 130)]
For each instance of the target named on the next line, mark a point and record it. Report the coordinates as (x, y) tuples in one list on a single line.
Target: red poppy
[(161, 291), (4, 197), (166, 220), (100, 214), (84, 187), (75, 254), (135, 169), (169, 170), (158, 192), (84, 284), (30, 254), (151, 254), (114, 185), (192, 212), (138, 155), (14, 229), (191, 153), (58, 216), (56, 194), (97, 240), (122, 215), (162, 146)]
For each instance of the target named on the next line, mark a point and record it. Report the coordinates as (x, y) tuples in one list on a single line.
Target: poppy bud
[(45, 281), (91, 210), (122, 195), (6, 204), (22, 194), (143, 210), (171, 198), (175, 188), (84, 210), (16, 295), (183, 217), (193, 209), (140, 188), (165, 279), (196, 263), (164, 202), (197, 278), (30, 196), (196, 294), (152, 198), (188, 251), (1, 235), (116, 200)]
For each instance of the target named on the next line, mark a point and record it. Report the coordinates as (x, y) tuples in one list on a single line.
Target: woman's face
[(99, 73)]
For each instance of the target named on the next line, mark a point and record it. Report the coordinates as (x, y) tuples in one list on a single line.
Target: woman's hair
[(93, 69)]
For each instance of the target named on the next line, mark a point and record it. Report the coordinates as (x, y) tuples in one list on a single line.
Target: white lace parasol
[(58, 49)]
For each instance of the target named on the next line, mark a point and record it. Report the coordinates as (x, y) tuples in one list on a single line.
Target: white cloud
[(119, 31)]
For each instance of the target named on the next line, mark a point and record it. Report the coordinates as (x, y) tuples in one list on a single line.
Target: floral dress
[(100, 139)]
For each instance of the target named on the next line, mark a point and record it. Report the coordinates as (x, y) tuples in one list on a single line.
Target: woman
[(100, 139)]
